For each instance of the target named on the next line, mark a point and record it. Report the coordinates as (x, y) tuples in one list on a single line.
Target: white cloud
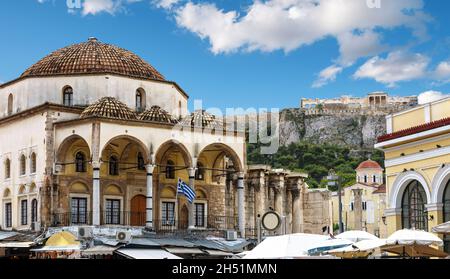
[(431, 96), (326, 75), (442, 72), (290, 24), (94, 7), (165, 4), (353, 46), (396, 67)]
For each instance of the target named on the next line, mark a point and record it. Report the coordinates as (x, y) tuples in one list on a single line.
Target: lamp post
[(333, 180)]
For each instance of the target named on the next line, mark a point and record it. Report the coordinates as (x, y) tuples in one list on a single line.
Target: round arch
[(141, 146), (6, 193), (439, 183), (67, 143), (400, 184), (79, 187), (164, 149), (114, 190), (228, 151)]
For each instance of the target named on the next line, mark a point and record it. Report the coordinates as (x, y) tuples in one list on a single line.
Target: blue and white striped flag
[(184, 189)]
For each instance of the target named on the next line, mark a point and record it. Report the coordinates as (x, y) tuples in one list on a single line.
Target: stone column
[(357, 193), (296, 212), (260, 199), (96, 193), (279, 196), (241, 204), (149, 197), (191, 205), (96, 173)]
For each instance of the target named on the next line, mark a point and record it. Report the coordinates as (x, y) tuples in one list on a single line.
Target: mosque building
[(94, 135)]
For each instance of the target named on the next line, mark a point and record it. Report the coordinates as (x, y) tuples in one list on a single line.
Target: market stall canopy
[(442, 228), (356, 236), (102, 250), (410, 237), (145, 254), (285, 246)]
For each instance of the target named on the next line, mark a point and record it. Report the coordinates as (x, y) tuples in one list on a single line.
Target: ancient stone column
[(149, 197), (296, 212), (260, 197), (357, 193), (191, 205), (241, 204), (279, 188)]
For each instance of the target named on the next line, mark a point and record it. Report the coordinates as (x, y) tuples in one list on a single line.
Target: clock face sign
[(271, 221)]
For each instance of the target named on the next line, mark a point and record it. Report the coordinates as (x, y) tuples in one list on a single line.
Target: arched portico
[(400, 184)]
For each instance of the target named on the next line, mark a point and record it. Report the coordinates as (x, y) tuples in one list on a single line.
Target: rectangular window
[(199, 214), (112, 212), (23, 212), (168, 213), (8, 215), (78, 210)]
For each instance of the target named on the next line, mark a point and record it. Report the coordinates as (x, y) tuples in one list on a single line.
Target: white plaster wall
[(32, 92), (22, 136)]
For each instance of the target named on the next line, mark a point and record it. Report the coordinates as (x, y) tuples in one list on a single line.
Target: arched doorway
[(414, 214), (446, 202), (137, 211)]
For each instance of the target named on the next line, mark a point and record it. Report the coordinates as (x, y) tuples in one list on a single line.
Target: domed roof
[(93, 57), (200, 118), (109, 107), (157, 114), (369, 164)]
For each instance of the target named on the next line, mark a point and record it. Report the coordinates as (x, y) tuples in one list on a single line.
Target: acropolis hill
[(375, 103)]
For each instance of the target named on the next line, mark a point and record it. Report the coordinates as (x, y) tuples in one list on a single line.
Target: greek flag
[(184, 189)]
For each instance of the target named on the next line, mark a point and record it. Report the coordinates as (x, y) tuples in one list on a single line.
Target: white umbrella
[(356, 236), (284, 246), (327, 245), (442, 228), (361, 249), (410, 237)]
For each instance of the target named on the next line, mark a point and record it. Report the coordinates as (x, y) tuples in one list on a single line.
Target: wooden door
[(137, 208), (184, 218)]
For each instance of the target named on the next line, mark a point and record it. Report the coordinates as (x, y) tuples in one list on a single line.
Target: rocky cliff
[(354, 131)]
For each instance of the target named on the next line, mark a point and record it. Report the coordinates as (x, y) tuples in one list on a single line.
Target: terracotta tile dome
[(200, 118), (93, 57), (109, 107), (369, 164), (157, 114)]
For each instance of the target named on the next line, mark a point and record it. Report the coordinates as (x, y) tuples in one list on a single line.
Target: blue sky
[(249, 54)]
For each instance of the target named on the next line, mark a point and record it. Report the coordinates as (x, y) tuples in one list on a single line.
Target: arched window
[(140, 100), (7, 168), (374, 178), (10, 104), (113, 165), (34, 210), (23, 162), (68, 96), (179, 110), (414, 200), (200, 172), (366, 179), (140, 161), (80, 162), (170, 169), (33, 163), (446, 213)]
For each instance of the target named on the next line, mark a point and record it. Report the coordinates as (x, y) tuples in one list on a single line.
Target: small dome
[(200, 118), (93, 57), (157, 114), (109, 107), (369, 164)]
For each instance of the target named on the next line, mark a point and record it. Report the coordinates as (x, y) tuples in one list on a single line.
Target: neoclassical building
[(417, 153), (94, 135)]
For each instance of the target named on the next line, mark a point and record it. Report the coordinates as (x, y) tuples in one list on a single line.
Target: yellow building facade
[(417, 161), (367, 215)]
